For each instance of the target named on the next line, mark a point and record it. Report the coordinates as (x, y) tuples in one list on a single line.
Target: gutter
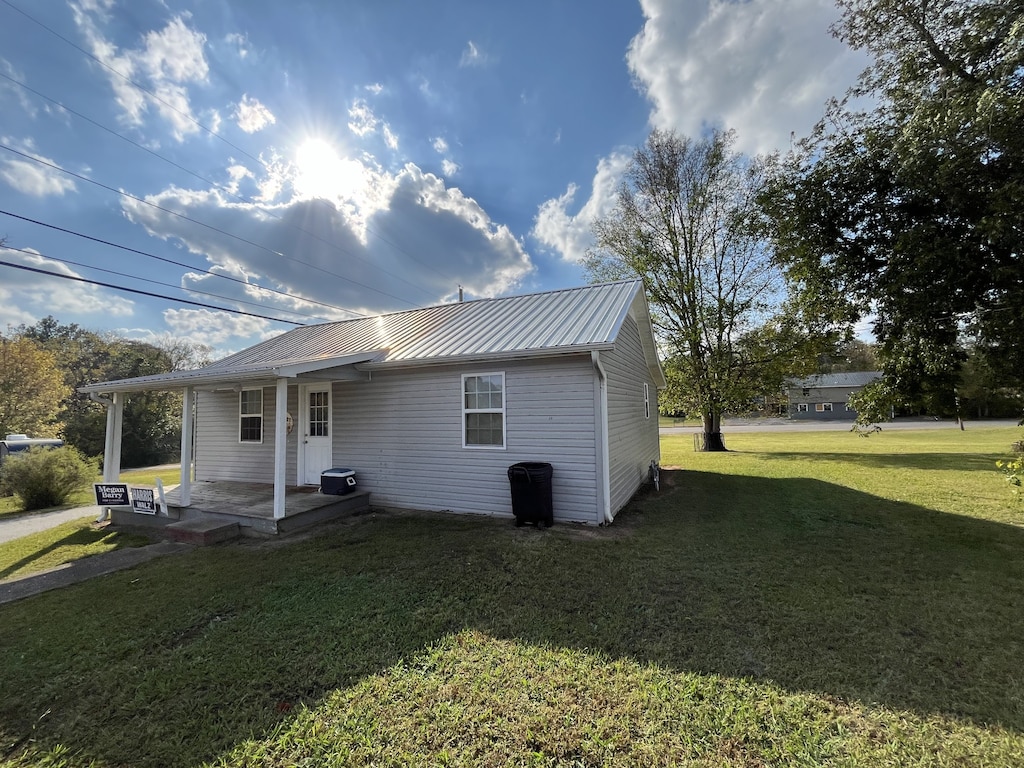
[(604, 461)]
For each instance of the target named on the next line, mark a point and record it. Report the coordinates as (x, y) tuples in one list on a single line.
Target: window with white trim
[(483, 410), (823, 407), (647, 401), (801, 407), (250, 416)]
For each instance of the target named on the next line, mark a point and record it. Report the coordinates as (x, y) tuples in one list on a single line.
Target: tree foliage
[(913, 208), (31, 389), (151, 432), (686, 223)]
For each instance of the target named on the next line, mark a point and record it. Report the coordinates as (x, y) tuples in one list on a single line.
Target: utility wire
[(27, 252), (191, 119), (211, 182), (175, 263), (200, 223), (127, 79), (144, 293)]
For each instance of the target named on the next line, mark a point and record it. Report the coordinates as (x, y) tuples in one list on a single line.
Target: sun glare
[(322, 172)]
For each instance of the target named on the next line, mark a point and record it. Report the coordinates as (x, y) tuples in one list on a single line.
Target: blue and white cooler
[(337, 481)]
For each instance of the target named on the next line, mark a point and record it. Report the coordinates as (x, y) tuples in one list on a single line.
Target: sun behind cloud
[(322, 172)]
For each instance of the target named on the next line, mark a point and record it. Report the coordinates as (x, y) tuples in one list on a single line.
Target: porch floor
[(249, 506), (255, 500)]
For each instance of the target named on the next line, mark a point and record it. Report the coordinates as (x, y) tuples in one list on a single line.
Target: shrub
[(45, 477)]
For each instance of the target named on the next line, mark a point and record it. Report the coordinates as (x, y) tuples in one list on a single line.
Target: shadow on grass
[(79, 538), (808, 585)]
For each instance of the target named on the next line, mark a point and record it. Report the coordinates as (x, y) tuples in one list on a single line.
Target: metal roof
[(825, 380), (555, 322)]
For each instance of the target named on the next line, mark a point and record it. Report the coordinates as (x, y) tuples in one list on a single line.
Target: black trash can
[(531, 492)]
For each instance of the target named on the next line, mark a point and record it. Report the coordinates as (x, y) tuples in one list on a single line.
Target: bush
[(45, 477)]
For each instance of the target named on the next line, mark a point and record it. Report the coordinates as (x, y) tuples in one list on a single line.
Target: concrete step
[(203, 531)]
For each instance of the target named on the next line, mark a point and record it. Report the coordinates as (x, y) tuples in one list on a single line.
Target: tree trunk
[(713, 433)]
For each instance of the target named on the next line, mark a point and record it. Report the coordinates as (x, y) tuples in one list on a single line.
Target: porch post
[(185, 488), (280, 446), (112, 443)]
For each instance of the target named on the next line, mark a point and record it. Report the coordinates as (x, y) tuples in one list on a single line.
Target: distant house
[(431, 406), (826, 396)]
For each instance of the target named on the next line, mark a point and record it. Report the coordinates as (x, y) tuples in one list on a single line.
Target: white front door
[(315, 423)]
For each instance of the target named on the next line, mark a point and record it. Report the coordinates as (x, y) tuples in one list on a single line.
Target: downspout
[(601, 436)]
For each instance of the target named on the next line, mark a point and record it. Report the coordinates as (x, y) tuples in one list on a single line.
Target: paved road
[(732, 426)]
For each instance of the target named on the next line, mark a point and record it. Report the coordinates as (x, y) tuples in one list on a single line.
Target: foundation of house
[(222, 510)]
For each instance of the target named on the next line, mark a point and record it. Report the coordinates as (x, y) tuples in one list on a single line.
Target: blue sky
[(315, 160)]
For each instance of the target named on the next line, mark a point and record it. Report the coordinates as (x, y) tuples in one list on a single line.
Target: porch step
[(203, 531)]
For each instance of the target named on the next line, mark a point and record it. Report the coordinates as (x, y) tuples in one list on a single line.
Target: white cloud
[(763, 67), (440, 145), (409, 242), (374, 88), (361, 119), (390, 138), (240, 43), (168, 60), (252, 116), (569, 234), (36, 294), (19, 93), (450, 167), (206, 326), (362, 122), (31, 178), (472, 56)]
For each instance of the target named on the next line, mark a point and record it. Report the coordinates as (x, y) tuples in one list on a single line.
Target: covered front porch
[(288, 499)]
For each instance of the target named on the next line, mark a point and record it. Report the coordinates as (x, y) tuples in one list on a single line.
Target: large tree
[(686, 223), (31, 389), (907, 203)]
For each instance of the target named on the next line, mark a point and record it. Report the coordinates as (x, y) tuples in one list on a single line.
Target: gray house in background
[(431, 406), (825, 397)]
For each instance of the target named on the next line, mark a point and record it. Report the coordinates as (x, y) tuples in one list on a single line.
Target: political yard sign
[(112, 495)]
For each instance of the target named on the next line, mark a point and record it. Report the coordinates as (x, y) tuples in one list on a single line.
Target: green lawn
[(809, 599), (62, 544)]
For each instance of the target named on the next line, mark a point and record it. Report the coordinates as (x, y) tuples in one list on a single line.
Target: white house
[(431, 406)]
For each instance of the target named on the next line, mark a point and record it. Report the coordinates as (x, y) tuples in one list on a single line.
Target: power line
[(27, 252), (144, 293), (127, 79), (195, 122), (172, 261), (200, 223), (211, 182)]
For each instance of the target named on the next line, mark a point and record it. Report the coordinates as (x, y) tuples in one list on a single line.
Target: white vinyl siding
[(218, 453), (634, 440), (402, 434)]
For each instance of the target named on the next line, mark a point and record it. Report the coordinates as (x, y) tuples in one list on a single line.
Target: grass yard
[(809, 599), (63, 544)]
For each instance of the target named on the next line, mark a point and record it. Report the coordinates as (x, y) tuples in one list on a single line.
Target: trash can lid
[(337, 472)]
